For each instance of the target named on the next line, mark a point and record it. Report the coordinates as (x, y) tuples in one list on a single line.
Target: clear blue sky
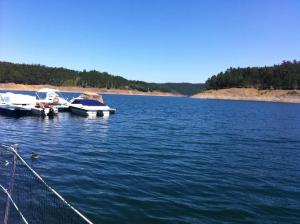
[(151, 40)]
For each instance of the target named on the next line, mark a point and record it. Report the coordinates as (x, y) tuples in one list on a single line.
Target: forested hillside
[(283, 76), (39, 74)]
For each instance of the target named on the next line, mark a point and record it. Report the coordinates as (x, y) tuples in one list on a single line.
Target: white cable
[(50, 188), (14, 204)]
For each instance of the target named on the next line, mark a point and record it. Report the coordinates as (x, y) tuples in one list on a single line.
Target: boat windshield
[(1, 99), (87, 102), (41, 95), (47, 95)]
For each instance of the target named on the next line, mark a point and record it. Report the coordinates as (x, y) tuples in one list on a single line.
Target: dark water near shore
[(171, 160)]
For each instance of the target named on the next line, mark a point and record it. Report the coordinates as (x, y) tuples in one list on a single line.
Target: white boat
[(21, 104), (52, 97), (91, 105), (16, 104)]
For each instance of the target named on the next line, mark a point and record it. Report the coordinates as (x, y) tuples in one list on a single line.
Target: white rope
[(10, 190), (14, 204), (50, 188)]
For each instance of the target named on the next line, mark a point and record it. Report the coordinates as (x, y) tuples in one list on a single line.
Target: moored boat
[(21, 104), (16, 104), (89, 104), (53, 98)]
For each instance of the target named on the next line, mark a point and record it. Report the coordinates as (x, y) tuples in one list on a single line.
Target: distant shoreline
[(23, 87), (251, 94)]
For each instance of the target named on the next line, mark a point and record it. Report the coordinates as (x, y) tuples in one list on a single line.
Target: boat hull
[(87, 112), (62, 108), (105, 113), (83, 112), (50, 112), (14, 111)]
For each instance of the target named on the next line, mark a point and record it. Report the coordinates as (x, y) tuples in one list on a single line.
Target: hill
[(283, 76), (278, 83), (33, 74)]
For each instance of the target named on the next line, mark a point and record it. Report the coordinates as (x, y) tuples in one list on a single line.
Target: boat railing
[(25, 197)]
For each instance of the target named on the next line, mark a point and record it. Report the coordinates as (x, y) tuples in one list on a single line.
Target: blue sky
[(154, 40)]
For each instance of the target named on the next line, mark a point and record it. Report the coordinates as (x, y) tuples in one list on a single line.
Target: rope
[(11, 187), (47, 186), (14, 204)]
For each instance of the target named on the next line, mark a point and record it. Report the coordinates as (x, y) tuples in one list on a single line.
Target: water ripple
[(171, 160)]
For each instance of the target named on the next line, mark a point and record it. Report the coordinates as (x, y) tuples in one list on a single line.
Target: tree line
[(283, 76), (41, 75)]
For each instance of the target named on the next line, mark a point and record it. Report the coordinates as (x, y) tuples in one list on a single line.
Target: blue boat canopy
[(87, 102)]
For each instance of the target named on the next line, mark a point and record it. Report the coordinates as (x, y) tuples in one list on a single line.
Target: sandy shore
[(13, 86), (285, 96)]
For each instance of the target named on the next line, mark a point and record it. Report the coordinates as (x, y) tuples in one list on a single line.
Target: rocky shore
[(22, 87), (285, 96)]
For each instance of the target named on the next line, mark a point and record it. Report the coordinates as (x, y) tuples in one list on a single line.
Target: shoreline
[(23, 87), (251, 94)]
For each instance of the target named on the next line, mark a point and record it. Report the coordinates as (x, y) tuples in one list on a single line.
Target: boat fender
[(55, 100)]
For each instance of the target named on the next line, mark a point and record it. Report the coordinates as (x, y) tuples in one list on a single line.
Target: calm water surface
[(171, 160)]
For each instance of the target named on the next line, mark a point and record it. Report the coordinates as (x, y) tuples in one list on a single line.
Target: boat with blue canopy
[(91, 105)]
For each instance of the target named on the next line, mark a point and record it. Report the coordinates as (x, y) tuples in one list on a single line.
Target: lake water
[(171, 160)]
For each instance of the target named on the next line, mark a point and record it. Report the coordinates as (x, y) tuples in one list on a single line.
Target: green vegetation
[(283, 76), (39, 74)]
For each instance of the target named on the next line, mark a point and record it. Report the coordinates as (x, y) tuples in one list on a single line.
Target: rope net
[(26, 198)]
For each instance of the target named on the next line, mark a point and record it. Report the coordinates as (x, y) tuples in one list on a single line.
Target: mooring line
[(11, 187), (14, 204), (50, 188)]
